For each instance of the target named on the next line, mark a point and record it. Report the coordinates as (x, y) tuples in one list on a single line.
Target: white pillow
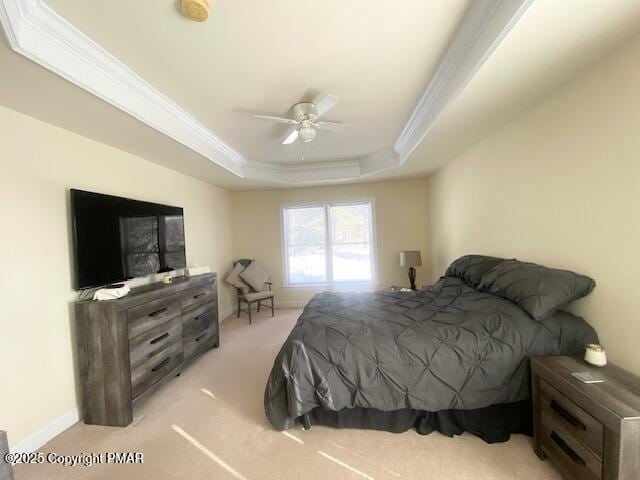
[(234, 279), (255, 276)]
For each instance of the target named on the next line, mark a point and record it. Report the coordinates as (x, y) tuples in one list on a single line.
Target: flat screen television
[(117, 239)]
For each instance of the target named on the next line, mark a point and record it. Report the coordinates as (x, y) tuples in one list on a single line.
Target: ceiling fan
[(306, 120)]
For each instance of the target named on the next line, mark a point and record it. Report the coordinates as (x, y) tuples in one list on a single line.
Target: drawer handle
[(202, 315), (161, 364), (158, 312), (159, 339), (566, 415), (201, 294), (566, 449), (201, 336)]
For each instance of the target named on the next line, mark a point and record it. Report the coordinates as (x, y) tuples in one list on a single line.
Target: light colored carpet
[(209, 424)]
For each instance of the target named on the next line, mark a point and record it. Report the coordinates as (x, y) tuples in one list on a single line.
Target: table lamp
[(411, 259)]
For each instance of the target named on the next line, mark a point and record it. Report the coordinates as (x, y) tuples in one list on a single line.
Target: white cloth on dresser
[(111, 293)]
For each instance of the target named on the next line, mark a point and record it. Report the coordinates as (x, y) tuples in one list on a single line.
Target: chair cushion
[(255, 276), (234, 279), (252, 297), (538, 290)]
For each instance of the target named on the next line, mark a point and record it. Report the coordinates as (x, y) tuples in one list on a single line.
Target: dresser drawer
[(571, 457), (156, 367), (195, 297), (149, 343), (198, 320), (145, 317), (578, 423), (197, 341)]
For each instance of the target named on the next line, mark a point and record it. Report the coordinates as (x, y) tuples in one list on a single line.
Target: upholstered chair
[(258, 292)]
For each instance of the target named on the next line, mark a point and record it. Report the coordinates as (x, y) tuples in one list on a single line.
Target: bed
[(453, 357)]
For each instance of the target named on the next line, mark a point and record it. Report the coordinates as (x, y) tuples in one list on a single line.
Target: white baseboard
[(226, 314), (291, 304), (36, 440)]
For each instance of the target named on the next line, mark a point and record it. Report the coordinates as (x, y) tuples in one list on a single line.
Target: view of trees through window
[(328, 243)]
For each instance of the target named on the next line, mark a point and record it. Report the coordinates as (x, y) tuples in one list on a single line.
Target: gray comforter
[(448, 347)]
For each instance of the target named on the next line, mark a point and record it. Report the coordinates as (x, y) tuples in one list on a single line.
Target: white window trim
[(329, 267)]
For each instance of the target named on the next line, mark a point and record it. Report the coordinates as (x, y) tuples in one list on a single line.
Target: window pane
[(350, 223), (351, 262), (175, 259), (139, 264), (306, 226), (307, 265), (141, 234), (174, 232)]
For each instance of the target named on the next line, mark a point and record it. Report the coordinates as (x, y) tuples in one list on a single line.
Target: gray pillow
[(538, 290), (234, 279), (255, 276), (471, 268)]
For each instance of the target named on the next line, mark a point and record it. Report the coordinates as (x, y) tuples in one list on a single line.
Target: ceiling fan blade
[(325, 104), (291, 136), (332, 126), (289, 121)]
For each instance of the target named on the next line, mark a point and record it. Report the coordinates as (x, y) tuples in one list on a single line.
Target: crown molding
[(307, 173), (324, 171), (37, 32), (377, 162), (40, 34), (485, 24)]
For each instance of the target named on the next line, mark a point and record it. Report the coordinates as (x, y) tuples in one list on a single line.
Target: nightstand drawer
[(574, 460), (575, 421)]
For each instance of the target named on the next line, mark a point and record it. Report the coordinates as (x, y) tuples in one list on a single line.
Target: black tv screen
[(118, 238)]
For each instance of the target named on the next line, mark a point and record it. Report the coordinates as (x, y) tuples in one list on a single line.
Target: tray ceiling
[(395, 70), (265, 56)]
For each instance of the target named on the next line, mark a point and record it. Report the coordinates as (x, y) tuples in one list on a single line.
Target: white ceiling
[(254, 55), (554, 42), (257, 55)]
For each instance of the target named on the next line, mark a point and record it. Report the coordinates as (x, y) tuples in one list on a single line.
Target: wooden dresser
[(128, 347), (589, 431)]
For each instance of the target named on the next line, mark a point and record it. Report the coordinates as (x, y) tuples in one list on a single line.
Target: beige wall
[(560, 185), (400, 216), (39, 163)]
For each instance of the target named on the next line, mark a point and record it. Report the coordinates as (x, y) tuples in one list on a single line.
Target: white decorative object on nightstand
[(595, 355)]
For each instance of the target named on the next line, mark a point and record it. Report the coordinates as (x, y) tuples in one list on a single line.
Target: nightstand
[(589, 431)]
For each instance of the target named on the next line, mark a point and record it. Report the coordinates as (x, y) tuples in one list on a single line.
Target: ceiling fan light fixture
[(307, 133), (304, 120)]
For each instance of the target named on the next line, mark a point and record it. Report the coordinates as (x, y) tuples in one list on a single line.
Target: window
[(151, 244), (327, 244)]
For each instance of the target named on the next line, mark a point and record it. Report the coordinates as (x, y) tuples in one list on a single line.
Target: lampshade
[(410, 258)]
